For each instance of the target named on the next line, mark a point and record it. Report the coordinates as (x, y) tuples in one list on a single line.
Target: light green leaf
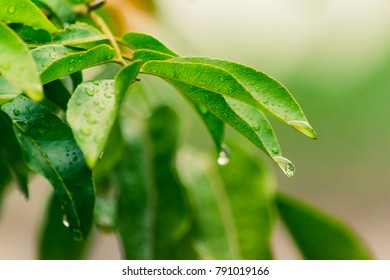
[(50, 149), (17, 65), (56, 61), (318, 235), (246, 119), (214, 233), (80, 35), (55, 242), (8, 90), (143, 41), (26, 12), (272, 95), (93, 108), (105, 213), (250, 192), (147, 55), (202, 76)]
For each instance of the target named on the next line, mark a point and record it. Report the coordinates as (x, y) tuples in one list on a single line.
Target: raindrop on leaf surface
[(286, 165), (16, 112), (65, 221), (11, 9)]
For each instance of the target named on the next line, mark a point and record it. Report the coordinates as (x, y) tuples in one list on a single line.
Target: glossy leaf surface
[(17, 65), (147, 55), (272, 95), (61, 9), (144, 41), (50, 149), (56, 61), (79, 35), (318, 235), (55, 242), (93, 108), (26, 12)]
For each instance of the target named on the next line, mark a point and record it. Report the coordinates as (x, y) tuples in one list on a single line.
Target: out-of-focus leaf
[(143, 41), (17, 65), (56, 61), (50, 149), (80, 35), (61, 9), (57, 93), (7, 90), (272, 95), (153, 218), (105, 213), (250, 193), (31, 35), (11, 152), (77, 78), (26, 12), (55, 242), (5, 178), (247, 120), (318, 235), (92, 122), (214, 233)]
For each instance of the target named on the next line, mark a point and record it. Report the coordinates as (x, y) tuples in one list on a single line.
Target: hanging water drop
[(224, 155), (286, 165), (65, 221)]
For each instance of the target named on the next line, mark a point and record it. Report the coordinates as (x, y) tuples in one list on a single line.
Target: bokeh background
[(333, 55)]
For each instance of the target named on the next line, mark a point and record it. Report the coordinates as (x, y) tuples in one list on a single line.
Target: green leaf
[(31, 35), (26, 12), (214, 233), (246, 119), (143, 41), (50, 149), (318, 235), (61, 9), (11, 152), (272, 95), (17, 65), (55, 242), (5, 178), (201, 76), (250, 192), (93, 108), (8, 91), (57, 93), (105, 213), (150, 225), (56, 61), (80, 35), (147, 55)]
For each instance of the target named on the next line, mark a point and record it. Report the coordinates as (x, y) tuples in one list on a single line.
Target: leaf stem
[(104, 28)]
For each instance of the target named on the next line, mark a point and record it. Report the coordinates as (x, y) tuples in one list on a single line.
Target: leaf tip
[(286, 165), (304, 127)]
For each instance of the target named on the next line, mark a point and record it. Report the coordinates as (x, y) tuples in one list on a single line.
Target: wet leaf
[(26, 12), (61, 9), (50, 150), (272, 95), (147, 55), (17, 65), (318, 235), (56, 61), (93, 108), (57, 93), (80, 35), (55, 242), (144, 41), (11, 152)]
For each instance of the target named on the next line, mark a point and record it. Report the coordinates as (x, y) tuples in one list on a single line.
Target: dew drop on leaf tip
[(224, 155), (286, 165)]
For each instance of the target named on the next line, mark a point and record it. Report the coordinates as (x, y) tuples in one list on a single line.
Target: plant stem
[(104, 28)]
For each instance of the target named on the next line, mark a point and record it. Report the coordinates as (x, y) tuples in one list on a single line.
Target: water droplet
[(75, 158), (286, 165), (90, 92), (85, 131), (11, 9), (203, 110), (275, 150), (107, 95), (5, 66), (78, 102), (257, 89), (16, 112), (71, 61), (77, 234), (222, 79), (71, 69), (96, 103), (92, 121), (96, 83), (224, 155), (256, 127), (28, 117), (65, 221), (53, 56), (304, 127), (87, 114)]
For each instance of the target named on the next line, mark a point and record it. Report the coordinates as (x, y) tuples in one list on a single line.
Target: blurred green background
[(334, 56)]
